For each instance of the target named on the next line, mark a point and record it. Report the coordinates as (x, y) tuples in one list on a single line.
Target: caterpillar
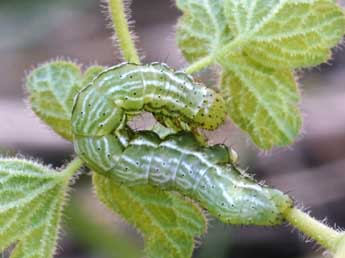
[(207, 174)]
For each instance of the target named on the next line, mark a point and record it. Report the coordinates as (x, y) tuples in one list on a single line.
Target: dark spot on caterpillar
[(137, 163), (104, 114), (164, 164), (212, 186), (101, 125), (108, 155), (126, 168), (89, 105), (134, 93), (223, 204), (82, 113), (157, 169), (131, 76), (98, 148), (126, 98), (191, 172), (183, 175)]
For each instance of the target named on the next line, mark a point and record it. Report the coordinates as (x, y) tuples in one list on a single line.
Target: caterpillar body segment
[(154, 88), (217, 184)]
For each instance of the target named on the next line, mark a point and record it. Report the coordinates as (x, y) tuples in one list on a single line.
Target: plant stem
[(72, 167), (324, 235), (118, 16), (226, 50)]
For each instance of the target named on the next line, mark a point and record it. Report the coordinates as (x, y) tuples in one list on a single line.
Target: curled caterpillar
[(177, 162)]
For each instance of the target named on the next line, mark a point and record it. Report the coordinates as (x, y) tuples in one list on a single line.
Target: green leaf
[(202, 29), (31, 201), (168, 223), (257, 43), (262, 101), (286, 33), (52, 88)]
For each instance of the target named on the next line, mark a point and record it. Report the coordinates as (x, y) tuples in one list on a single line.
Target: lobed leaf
[(31, 201), (168, 223), (257, 43)]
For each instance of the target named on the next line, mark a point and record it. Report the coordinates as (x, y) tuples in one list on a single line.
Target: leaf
[(286, 33), (202, 29), (52, 88), (262, 101), (168, 223), (31, 201), (267, 38)]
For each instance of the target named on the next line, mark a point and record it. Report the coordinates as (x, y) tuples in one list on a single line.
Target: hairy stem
[(72, 167), (118, 16), (324, 235), (206, 61)]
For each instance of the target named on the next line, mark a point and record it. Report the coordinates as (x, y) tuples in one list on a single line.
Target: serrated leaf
[(262, 101), (52, 88), (31, 201), (267, 37), (286, 33), (203, 29), (167, 222)]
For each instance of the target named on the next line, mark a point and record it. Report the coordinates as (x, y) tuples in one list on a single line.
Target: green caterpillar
[(177, 162)]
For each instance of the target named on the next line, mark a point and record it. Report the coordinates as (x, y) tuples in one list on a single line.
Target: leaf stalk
[(119, 19)]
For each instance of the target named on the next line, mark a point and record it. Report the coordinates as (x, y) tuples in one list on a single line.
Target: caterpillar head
[(212, 112)]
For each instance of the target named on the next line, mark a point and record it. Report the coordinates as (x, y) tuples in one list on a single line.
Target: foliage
[(32, 197), (257, 44)]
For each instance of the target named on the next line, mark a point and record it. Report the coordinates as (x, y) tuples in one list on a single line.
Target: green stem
[(72, 167), (324, 235), (118, 16), (226, 50)]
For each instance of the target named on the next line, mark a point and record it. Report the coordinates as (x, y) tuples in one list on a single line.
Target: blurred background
[(312, 170)]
